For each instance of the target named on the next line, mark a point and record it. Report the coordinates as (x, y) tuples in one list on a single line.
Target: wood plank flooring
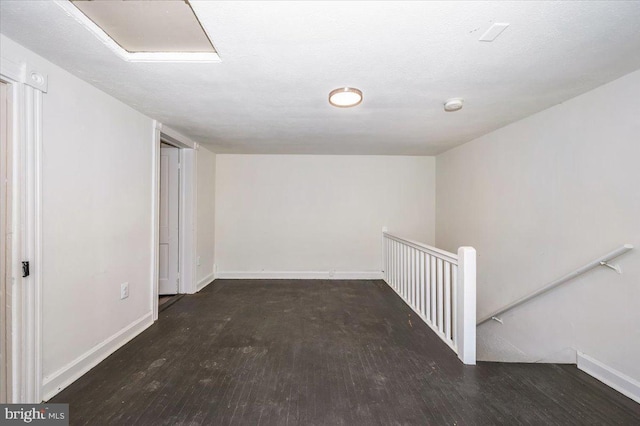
[(321, 353)]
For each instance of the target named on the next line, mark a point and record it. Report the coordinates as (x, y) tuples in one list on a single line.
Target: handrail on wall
[(601, 261)]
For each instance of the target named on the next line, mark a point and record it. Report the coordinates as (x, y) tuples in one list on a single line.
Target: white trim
[(187, 197), (205, 282), (465, 310), (610, 377), (35, 79), (155, 217), (12, 71), (442, 254), (300, 275), (188, 208), (26, 306), (102, 36), (71, 372), (187, 221), (32, 244), (176, 138), (23, 73)]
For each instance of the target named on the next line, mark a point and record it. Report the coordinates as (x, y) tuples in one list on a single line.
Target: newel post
[(466, 305)]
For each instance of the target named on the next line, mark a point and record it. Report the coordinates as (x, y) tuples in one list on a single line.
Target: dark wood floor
[(321, 353)]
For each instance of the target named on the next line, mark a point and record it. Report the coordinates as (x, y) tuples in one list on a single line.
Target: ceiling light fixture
[(454, 104), (345, 97)]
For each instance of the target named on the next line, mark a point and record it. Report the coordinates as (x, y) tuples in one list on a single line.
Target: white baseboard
[(71, 372), (204, 282), (300, 275), (610, 377)]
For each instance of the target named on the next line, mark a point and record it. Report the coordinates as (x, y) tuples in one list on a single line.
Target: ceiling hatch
[(159, 30)]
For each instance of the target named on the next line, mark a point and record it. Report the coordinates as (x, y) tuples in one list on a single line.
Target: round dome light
[(345, 97), (452, 105)]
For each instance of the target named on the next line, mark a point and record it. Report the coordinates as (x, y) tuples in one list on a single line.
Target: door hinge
[(25, 269)]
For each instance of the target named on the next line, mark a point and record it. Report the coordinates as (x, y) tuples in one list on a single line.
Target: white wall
[(205, 215), (296, 213), (96, 224), (539, 198)]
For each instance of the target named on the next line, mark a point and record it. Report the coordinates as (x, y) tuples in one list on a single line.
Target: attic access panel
[(148, 25)]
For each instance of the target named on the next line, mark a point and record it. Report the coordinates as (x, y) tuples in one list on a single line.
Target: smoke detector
[(454, 104)]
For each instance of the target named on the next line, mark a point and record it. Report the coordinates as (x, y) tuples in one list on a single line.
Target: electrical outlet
[(124, 290), (198, 261)]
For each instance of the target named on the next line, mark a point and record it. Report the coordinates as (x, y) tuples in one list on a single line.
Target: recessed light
[(345, 97), (454, 104)]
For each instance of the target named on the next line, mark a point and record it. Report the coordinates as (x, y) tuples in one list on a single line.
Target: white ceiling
[(281, 60)]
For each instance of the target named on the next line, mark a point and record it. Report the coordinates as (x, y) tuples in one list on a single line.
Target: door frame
[(27, 86), (6, 246), (187, 211)]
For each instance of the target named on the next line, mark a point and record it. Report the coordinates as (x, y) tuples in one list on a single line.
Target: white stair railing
[(439, 286)]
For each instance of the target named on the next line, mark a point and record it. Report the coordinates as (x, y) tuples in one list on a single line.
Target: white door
[(169, 220), (5, 248)]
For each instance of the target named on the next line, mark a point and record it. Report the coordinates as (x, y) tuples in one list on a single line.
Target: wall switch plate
[(124, 290)]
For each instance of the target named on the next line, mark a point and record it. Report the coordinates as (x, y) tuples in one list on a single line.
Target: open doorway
[(169, 226), (174, 207), (5, 246)]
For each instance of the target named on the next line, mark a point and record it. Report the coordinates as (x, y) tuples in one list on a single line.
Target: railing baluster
[(386, 259), (440, 297), (454, 304), (434, 310), (427, 290), (389, 260), (392, 258), (416, 274), (447, 299), (393, 264), (409, 275), (420, 283), (397, 266), (416, 283), (403, 268), (406, 273), (407, 287)]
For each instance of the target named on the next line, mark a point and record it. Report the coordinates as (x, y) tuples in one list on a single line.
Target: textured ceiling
[(281, 60)]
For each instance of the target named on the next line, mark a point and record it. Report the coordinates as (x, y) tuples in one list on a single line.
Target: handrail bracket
[(615, 267)]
